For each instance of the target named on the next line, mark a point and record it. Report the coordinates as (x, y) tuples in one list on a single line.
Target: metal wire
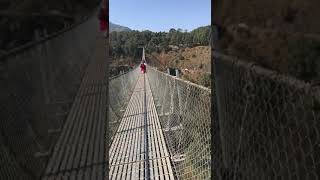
[(120, 90), (268, 126), (38, 85), (184, 110)]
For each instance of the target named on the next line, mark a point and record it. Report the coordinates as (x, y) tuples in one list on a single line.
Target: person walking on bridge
[(104, 19), (143, 68)]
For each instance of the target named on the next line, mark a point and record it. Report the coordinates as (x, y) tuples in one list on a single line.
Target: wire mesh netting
[(268, 125), (184, 111), (38, 85), (120, 90)]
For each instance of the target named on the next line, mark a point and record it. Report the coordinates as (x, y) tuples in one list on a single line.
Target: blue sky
[(160, 15)]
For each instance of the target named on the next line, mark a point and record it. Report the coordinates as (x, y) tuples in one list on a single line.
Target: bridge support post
[(223, 161), (179, 100), (177, 73), (171, 110), (171, 98)]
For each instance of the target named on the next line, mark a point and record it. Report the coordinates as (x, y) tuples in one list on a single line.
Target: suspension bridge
[(65, 118), (149, 140)]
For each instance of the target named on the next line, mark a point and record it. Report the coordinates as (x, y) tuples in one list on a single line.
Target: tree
[(126, 43)]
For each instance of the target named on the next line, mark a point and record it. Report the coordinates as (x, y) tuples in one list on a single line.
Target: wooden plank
[(80, 175), (154, 139), (59, 157), (100, 155), (123, 127), (164, 153), (156, 165), (138, 118), (136, 150), (153, 170), (158, 156), (76, 136), (134, 132), (127, 152), (87, 173), (82, 138), (76, 140), (66, 129), (71, 121), (100, 173), (89, 148), (73, 175), (120, 154), (162, 163), (154, 145), (123, 148)]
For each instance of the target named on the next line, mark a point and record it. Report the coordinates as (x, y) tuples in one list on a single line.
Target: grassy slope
[(195, 63), (263, 31)]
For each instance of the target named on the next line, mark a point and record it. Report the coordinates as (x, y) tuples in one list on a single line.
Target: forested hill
[(116, 27), (126, 43)]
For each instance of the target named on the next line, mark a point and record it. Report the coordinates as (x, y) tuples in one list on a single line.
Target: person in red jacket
[(104, 20), (143, 68)]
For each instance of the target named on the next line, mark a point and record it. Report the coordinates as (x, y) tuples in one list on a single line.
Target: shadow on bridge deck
[(138, 150), (81, 147)]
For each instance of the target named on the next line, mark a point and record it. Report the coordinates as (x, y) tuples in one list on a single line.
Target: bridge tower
[(143, 58), (143, 55)]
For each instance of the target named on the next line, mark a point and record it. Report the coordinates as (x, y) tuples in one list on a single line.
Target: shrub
[(188, 78), (205, 80)]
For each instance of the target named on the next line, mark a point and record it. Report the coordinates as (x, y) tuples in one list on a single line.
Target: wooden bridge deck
[(80, 152), (138, 150)]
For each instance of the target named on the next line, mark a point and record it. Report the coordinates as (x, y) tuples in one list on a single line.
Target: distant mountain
[(116, 27)]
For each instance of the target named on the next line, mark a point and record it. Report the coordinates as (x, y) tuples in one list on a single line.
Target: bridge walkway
[(138, 149), (80, 152)]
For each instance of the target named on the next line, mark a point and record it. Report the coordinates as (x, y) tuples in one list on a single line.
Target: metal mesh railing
[(38, 85), (267, 126), (120, 90), (184, 112)]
